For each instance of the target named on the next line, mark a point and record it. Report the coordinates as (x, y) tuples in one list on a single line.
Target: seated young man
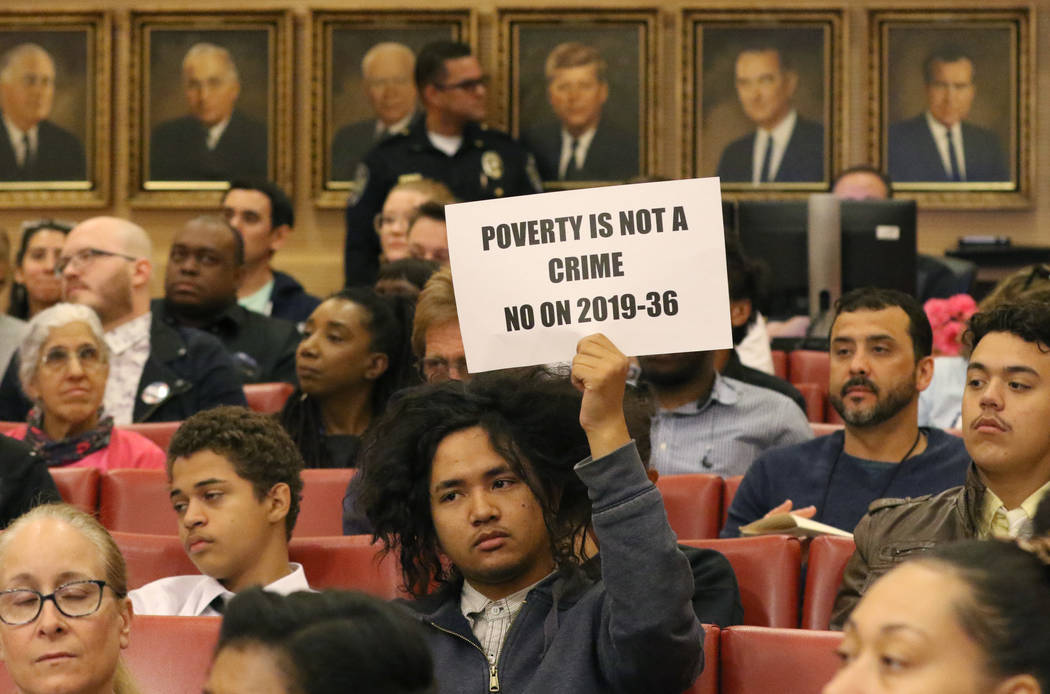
[(880, 360), (235, 486), (1005, 410), (483, 476)]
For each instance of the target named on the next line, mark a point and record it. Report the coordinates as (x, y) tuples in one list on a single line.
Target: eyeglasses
[(86, 255), (438, 369), (34, 225), (437, 255), (57, 358), (466, 85), (388, 220), (1040, 271), (76, 599)]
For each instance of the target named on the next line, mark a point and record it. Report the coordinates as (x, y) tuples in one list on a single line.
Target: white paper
[(510, 259)]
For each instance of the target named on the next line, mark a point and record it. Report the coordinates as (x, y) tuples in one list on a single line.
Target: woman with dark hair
[(965, 618), (318, 643), (36, 286), (353, 356)]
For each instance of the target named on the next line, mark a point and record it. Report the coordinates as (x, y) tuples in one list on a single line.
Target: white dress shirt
[(15, 135), (780, 135), (583, 144), (129, 348), (940, 138), (192, 596)]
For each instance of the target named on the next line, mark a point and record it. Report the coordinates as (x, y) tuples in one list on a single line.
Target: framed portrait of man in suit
[(55, 74), (580, 92), (953, 109), (210, 102), (363, 85), (766, 112)]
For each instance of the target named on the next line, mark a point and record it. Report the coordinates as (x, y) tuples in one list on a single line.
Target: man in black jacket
[(24, 480)]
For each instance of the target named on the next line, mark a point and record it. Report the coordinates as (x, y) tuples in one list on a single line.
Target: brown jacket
[(895, 529)]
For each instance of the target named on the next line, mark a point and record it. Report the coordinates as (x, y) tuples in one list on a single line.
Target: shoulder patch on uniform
[(358, 185), (409, 178), (533, 173), (891, 502)]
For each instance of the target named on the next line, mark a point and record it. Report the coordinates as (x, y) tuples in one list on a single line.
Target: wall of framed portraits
[(116, 124)]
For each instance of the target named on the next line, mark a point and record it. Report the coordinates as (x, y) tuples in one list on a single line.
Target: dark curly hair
[(532, 420), (388, 321), (1028, 320), (876, 299), (332, 642), (256, 445)]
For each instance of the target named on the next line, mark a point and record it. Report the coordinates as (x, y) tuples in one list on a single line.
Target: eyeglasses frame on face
[(86, 255), (470, 85), (85, 364), (41, 599), (377, 221), (440, 364)]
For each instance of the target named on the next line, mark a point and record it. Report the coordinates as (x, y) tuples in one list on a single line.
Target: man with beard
[(712, 424), (880, 359), (205, 267)]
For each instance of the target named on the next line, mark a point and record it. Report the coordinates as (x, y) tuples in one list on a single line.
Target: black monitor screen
[(878, 247)]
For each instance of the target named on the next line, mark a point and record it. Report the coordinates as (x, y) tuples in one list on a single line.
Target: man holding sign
[(486, 475)]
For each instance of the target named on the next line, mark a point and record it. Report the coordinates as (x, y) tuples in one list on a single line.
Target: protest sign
[(643, 263)]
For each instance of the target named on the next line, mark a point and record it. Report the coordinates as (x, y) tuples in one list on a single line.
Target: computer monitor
[(878, 247)]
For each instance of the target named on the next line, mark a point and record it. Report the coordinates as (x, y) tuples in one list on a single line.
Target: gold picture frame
[(973, 69), (69, 160), (720, 131), (187, 143)]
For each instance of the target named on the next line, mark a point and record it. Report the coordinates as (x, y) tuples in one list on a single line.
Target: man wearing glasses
[(157, 372), (447, 143)]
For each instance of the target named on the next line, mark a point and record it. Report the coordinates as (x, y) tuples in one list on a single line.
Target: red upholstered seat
[(780, 364), (823, 429), (757, 660), (78, 486), (267, 397), (159, 433), (321, 510), (350, 562), (816, 396), (809, 366), (150, 557), (707, 682), (827, 560), (136, 501), (728, 492), (693, 503), (767, 570)]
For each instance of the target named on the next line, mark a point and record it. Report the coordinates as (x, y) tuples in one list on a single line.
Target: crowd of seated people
[(521, 507)]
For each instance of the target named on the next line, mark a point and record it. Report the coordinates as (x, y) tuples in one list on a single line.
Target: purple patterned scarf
[(70, 449)]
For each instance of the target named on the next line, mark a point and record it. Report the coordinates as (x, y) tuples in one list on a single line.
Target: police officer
[(446, 143)]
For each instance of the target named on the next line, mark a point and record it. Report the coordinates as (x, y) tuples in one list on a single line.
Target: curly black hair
[(1028, 320), (254, 443), (532, 420)]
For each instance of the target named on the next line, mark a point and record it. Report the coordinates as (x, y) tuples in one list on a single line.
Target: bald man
[(157, 372), (387, 72), (215, 142), (32, 148)]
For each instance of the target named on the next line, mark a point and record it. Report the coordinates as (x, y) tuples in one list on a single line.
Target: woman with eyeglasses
[(64, 611), (63, 367), (400, 207), (36, 285), (353, 356)]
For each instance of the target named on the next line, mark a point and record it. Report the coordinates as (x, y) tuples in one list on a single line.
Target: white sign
[(643, 263)]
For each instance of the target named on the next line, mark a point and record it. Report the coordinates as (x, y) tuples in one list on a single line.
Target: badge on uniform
[(492, 164), (155, 392)]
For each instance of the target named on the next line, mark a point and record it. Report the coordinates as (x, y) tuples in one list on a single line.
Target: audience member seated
[(880, 360), (12, 330), (235, 486), (319, 643), (36, 285), (400, 208), (157, 373), (405, 277), (64, 363), (436, 339), (205, 267), (712, 424), (353, 356), (478, 488), (744, 293), (966, 617), (428, 234), (941, 404), (263, 215), (1005, 409), (24, 480), (59, 555)]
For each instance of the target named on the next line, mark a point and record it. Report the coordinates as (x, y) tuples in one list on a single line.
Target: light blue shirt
[(724, 434)]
